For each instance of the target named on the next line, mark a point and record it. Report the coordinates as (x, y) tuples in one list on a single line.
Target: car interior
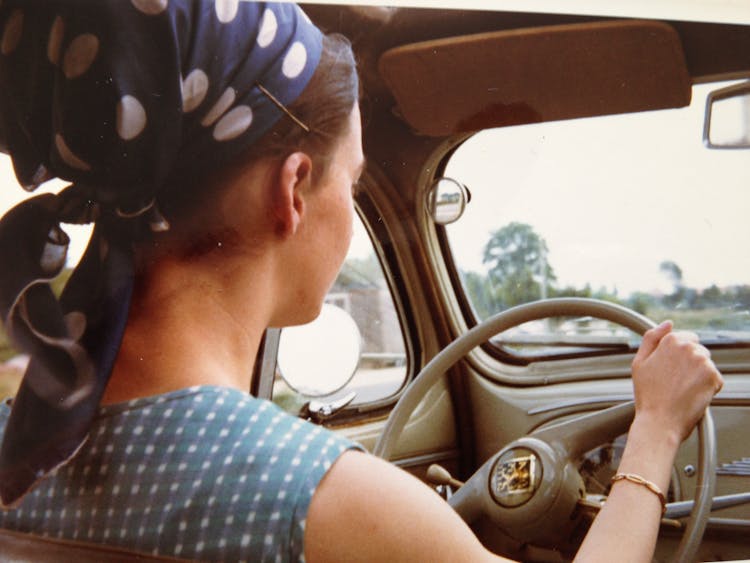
[(541, 188)]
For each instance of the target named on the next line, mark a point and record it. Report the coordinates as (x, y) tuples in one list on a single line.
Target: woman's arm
[(674, 380), (627, 526), (366, 509)]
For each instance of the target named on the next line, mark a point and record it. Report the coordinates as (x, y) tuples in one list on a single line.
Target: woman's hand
[(674, 380)]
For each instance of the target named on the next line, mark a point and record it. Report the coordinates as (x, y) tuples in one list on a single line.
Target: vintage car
[(540, 188)]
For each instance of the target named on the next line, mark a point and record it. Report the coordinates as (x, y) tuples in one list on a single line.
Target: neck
[(185, 329)]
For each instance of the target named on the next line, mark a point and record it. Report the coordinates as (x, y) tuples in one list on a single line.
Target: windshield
[(628, 208)]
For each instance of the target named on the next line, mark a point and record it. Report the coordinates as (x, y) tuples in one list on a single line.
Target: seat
[(18, 547)]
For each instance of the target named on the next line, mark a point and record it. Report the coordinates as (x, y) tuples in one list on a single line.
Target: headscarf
[(115, 96)]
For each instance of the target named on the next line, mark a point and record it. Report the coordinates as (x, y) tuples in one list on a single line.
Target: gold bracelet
[(638, 480)]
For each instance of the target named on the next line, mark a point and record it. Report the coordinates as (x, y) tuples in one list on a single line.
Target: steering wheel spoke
[(468, 501), (579, 435)]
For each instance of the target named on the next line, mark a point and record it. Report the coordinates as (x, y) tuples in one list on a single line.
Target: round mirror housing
[(320, 358), (447, 200)]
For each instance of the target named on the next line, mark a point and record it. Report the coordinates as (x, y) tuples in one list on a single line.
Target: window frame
[(384, 252)]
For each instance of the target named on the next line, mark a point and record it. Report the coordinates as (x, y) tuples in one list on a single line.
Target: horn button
[(535, 490), (515, 477)]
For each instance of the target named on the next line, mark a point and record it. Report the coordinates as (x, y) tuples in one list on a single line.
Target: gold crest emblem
[(515, 476)]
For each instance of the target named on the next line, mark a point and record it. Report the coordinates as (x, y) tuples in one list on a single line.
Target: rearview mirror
[(320, 358), (726, 124)]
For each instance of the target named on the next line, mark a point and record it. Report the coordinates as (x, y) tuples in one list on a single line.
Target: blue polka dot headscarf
[(117, 97)]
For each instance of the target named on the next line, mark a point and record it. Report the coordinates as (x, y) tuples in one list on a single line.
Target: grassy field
[(6, 350), (10, 374), (10, 378), (719, 318)]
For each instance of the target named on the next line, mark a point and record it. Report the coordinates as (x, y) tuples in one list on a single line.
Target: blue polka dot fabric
[(117, 97), (117, 93), (207, 473)]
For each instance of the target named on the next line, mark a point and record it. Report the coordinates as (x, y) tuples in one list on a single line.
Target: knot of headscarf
[(114, 96)]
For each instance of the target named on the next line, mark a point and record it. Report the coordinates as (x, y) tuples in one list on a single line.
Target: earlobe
[(290, 191)]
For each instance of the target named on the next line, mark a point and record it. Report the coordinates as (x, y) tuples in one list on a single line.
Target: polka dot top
[(207, 472)]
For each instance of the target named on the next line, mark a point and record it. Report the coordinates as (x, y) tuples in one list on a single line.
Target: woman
[(216, 146)]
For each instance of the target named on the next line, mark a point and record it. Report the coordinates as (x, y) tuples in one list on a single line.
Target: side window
[(362, 292)]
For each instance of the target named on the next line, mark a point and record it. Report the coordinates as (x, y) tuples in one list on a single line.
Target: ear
[(294, 177)]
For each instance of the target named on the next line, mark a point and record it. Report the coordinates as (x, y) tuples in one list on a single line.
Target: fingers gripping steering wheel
[(530, 488)]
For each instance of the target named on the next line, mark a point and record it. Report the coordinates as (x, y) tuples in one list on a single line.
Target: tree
[(480, 294), (741, 296), (672, 270), (674, 274), (519, 269), (357, 273), (641, 302), (570, 291), (712, 296)]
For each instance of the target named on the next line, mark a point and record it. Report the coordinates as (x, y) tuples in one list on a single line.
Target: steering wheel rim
[(456, 350)]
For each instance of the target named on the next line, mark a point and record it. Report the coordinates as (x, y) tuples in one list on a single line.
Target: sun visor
[(473, 82)]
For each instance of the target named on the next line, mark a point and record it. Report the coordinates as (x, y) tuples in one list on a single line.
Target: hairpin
[(282, 107)]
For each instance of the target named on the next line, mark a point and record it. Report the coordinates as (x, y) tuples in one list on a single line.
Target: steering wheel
[(531, 487)]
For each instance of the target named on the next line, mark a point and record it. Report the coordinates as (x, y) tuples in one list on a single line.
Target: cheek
[(349, 225), (342, 239)]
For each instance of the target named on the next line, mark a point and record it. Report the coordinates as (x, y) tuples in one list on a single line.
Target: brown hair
[(324, 107)]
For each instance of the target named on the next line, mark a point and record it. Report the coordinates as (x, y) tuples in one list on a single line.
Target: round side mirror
[(320, 358), (446, 200)]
